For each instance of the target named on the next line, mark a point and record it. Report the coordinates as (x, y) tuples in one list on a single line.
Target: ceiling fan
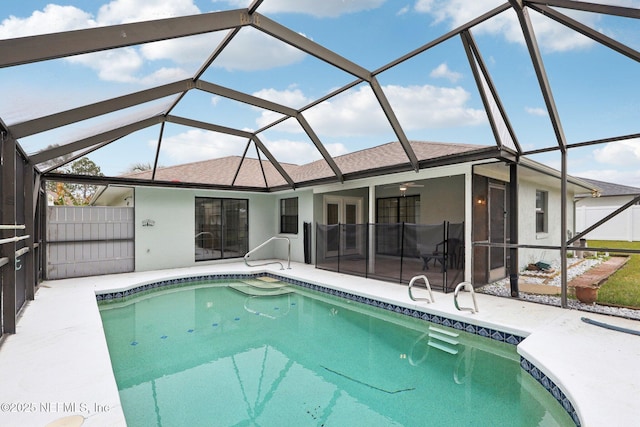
[(403, 187)]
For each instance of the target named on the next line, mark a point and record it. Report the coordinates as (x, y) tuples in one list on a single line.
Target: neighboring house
[(592, 207), (377, 220)]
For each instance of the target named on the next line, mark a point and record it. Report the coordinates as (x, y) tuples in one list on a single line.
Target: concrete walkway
[(598, 274)]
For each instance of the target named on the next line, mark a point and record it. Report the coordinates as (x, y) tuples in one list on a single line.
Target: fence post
[(401, 250)]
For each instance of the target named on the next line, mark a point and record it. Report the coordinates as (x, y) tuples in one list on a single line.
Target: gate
[(89, 241)]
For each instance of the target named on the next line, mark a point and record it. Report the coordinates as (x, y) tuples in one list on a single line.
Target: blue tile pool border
[(551, 387), (483, 331)]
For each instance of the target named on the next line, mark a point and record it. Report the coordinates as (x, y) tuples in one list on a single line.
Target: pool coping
[(418, 313)]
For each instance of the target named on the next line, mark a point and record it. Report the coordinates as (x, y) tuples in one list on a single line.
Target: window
[(390, 212), (289, 215), (541, 211), (398, 209), (222, 228)]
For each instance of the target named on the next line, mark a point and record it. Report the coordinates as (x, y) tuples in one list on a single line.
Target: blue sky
[(596, 90)]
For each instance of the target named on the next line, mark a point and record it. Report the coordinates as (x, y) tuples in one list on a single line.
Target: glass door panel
[(497, 232), (350, 221)]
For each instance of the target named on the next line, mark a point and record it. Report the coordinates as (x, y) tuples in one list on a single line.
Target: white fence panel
[(625, 226), (89, 241)]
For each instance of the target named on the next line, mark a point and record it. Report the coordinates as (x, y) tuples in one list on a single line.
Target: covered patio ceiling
[(245, 110)]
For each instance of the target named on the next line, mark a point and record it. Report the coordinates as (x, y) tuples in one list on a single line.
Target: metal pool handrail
[(271, 262), (426, 282), (203, 233), (12, 226), (467, 286)]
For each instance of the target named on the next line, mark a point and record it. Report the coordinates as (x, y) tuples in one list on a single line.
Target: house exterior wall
[(169, 243), (442, 196), (527, 222), (442, 199), (305, 214), (529, 182)]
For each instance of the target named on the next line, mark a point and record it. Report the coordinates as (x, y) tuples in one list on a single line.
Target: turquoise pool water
[(264, 354)]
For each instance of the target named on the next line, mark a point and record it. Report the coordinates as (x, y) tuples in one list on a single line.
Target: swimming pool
[(258, 352)]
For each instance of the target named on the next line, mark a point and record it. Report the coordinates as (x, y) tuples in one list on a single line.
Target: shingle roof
[(611, 189), (386, 155), (221, 171)]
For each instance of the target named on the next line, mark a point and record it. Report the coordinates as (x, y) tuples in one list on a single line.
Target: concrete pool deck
[(57, 364)]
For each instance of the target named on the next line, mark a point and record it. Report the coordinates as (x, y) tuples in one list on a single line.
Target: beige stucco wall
[(305, 214), (527, 222), (442, 199), (170, 242)]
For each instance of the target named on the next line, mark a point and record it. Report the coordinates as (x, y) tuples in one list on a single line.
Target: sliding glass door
[(221, 228)]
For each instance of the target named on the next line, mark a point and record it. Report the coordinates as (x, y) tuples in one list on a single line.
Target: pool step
[(443, 339), (257, 287), (269, 279), (443, 331), (264, 284)]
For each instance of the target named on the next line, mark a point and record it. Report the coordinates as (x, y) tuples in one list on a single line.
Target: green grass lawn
[(623, 287)]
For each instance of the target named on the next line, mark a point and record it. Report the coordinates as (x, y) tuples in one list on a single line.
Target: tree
[(76, 194), (83, 166), (55, 161), (139, 167), (62, 194)]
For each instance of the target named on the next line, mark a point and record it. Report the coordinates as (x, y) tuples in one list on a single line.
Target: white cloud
[(266, 52), (53, 18), (358, 113), (457, 12), (126, 65), (619, 153), (123, 11), (443, 71), (355, 113), (112, 65), (189, 50), (136, 64), (554, 37), (56, 18), (119, 65), (403, 11), (536, 111), (164, 75), (298, 152), (324, 8), (196, 144), (423, 107), (551, 36), (292, 97), (615, 162), (615, 176), (253, 50)]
